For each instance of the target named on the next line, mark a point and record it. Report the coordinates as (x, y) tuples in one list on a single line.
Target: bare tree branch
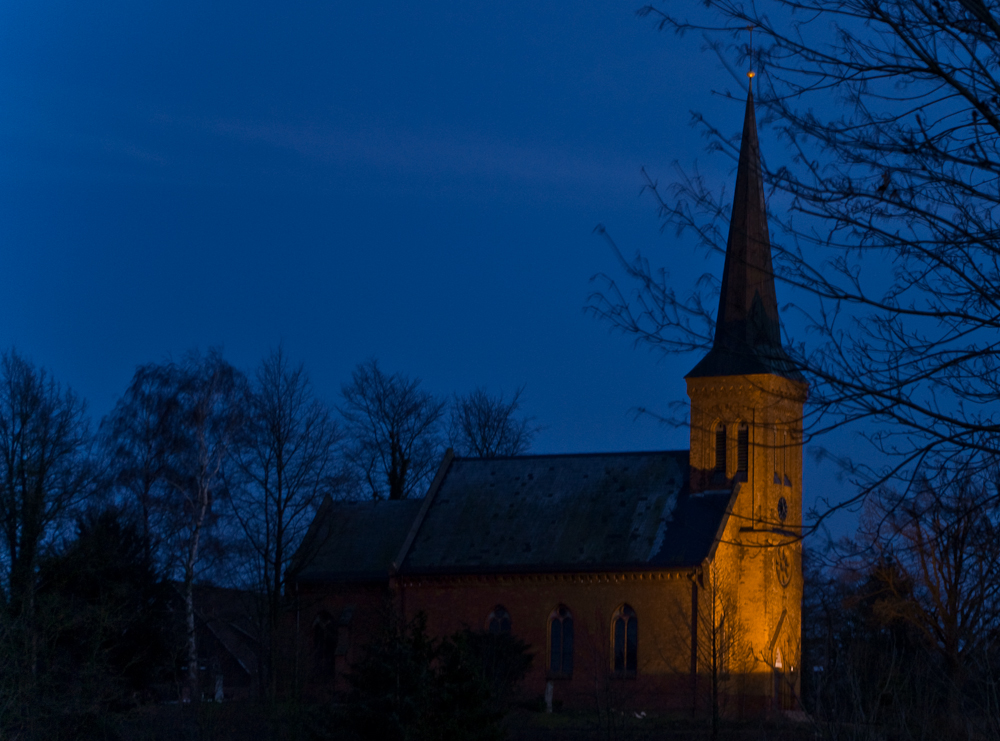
[(486, 426)]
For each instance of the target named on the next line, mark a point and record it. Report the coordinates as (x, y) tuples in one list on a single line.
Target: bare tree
[(900, 626), (45, 470), (707, 647), (178, 422), (287, 462), (935, 558), (886, 234), (393, 431), (207, 392), (716, 622), (487, 426), (874, 672)]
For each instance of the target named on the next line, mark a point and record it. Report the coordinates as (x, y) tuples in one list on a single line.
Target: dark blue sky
[(417, 182)]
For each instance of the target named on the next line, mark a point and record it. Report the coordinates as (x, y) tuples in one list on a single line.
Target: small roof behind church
[(354, 541), (564, 513)]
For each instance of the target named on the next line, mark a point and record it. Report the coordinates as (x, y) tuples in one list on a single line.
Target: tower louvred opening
[(720, 453), (742, 451)]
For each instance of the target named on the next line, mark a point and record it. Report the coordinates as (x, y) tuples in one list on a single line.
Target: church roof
[(523, 514), (564, 513), (747, 329)]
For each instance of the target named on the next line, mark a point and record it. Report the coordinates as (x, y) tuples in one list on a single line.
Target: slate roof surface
[(565, 513), (356, 541)]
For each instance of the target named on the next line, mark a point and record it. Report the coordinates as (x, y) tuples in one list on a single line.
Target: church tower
[(746, 430)]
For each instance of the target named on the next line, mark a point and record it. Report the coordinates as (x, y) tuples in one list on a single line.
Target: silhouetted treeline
[(204, 475), (201, 475)]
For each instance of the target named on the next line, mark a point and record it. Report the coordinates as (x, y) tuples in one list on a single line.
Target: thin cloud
[(435, 155), (131, 150)]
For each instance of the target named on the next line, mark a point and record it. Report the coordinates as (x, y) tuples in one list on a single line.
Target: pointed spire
[(747, 328)]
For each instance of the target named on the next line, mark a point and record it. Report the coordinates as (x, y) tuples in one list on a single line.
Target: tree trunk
[(191, 644), (192, 641)]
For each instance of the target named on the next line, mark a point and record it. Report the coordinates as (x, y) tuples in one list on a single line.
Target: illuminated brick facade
[(756, 569)]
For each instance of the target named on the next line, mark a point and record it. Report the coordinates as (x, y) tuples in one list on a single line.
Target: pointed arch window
[(720, 453), (742, 451), (498, 621), (561, 643), (625, 641)]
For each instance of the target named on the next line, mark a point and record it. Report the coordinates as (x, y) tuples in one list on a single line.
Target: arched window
[(324, 645), (720, 453), (561, 642), (625, 641), (742, 451), (498, 621)]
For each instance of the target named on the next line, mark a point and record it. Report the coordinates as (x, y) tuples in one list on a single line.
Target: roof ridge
[(397, 563)]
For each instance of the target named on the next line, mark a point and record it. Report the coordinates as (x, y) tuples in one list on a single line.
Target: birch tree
[(182, 418), (206, 392)]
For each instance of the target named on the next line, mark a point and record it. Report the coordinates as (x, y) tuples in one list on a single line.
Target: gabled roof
[(548, 513), (355, 541), (524, 514), (747, 329)]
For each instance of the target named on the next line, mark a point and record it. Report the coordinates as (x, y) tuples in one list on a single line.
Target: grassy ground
[(232, 721), (570, 726)]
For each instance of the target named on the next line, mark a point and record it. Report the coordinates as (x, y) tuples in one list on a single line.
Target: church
[(652, 578)]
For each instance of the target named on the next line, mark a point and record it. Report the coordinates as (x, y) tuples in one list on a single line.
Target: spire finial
[(750, 72)]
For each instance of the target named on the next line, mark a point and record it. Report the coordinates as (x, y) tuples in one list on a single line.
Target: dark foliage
[(99, 638), (902, 633), (410, 686), (861, 666), (111, 605)]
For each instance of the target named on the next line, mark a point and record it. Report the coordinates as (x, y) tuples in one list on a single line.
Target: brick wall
[(662, 603)]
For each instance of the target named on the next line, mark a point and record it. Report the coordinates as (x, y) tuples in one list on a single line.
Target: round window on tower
[(782, 509)]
